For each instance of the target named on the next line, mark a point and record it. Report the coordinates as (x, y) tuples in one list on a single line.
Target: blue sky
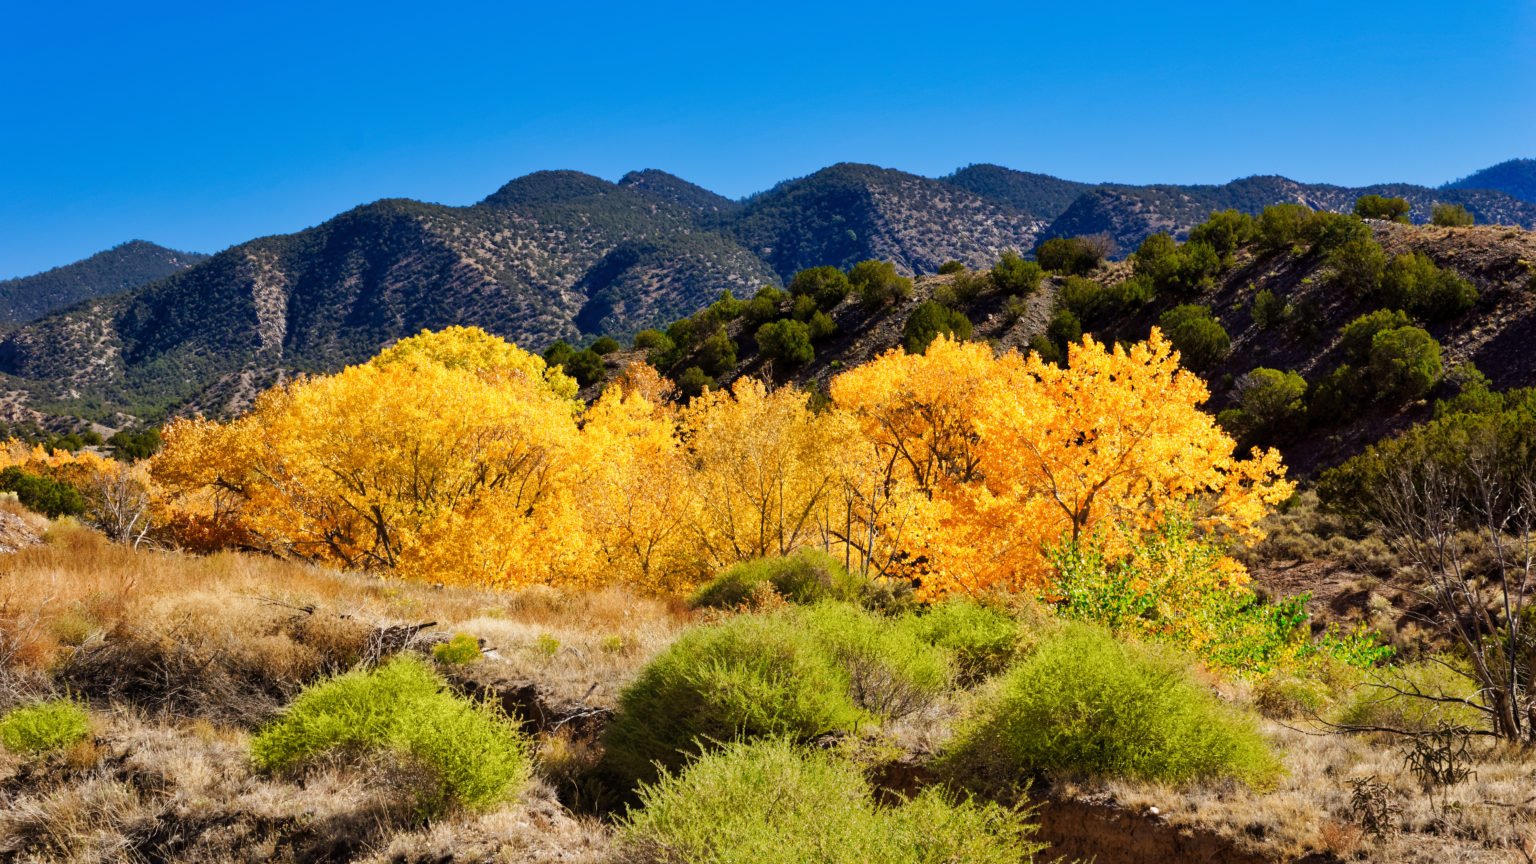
[(202, 125)]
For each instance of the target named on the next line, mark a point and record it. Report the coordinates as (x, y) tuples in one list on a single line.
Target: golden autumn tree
[(763, 468), (438, 459), (1005, 455), (631, 490)]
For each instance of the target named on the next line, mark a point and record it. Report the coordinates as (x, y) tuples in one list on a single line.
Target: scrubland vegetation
[(436, 608)]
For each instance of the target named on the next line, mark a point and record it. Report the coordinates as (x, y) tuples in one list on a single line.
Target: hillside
[(1128, 214), (1516, 178), (849, 213), (1493, 335), (127, 265)]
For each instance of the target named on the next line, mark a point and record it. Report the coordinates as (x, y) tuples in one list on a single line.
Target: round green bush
[(476, 752), (803, 576), (1200, 339), (769, 802), (929, 320), (982, 640), (605, 345), (1084, 703), (891, 672), (750, 676), (44, 727)]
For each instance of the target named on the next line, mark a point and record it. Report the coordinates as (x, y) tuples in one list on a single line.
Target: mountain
[(1131, 213), (125, 266), (849, 213), (529, 262), (1039, 195), (696, 199), (1516, 178)]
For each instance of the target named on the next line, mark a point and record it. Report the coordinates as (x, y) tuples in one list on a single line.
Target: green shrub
[(822, 327), (1269, 309), (1072, 256), (769, 802), (803, 307), (660, 350), (1225, 231), (476, 753), (1413, 282), (878, 284), (1271, 403), (586, 367), (787, 341), (1013, 275), (982, 640), (52, 498), (1405, 363), (892, 673), (693, 381), (929, 320), (44, 727), (1199, 338), (1063, 329), (604, 346), (1451, 216), (1335, 396), (764, 306), (133, 446), (1358, 266), (804, 576), (1377, 207), (1375, 701), (1048, 351), (726, 309), (949, 267), (1087, 704), (1282, 226), (828, 285), (718, 354), (1179, 270), (1356, 337), (559, 353), (749, 676), (1328, 231), (462, 648)]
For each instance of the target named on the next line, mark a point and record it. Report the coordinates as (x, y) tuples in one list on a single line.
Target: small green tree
[(1225, 232), (1328, 231), (1358, 266), (764, 306), (1356, 337), (1451, 216), (1282, 226), (828, 285), (1405, 363), (928, 321), (878, 284), (727, 308), (1073, 256), (1272, 405), (822, 326), (1377, 207), (1269, 309), (1413, 282), (787, 342), (1199, 338), (1013, 275), (605, 345), (559, 353), (693, 381), (586, 367), (718, 354), (949, 267)]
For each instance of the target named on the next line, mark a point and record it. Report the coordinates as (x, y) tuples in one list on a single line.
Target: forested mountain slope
[(127, 265)]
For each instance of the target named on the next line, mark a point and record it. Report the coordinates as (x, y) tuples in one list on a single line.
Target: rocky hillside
[(1495, 335), (1128, 214), (120, 268)]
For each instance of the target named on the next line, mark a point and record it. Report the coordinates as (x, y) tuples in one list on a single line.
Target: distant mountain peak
[(1516, 178), (548, 187), (124, 266), (670, 187)]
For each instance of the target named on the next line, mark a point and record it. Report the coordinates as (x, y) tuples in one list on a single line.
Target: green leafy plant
[(1013, 275), (52, 498), (1451, 216), (787, 342), (1201, 340), (44, 727), (804, 576), (462, 648), (982, 640), (475, 752), (928, 321), (770, 802), (1088, 704)]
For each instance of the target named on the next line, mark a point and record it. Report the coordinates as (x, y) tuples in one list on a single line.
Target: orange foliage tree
[(1006, 455)]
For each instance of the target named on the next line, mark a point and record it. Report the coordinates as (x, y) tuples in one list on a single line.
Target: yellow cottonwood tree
[(764, 468), (1008, 454), (444, 472)]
